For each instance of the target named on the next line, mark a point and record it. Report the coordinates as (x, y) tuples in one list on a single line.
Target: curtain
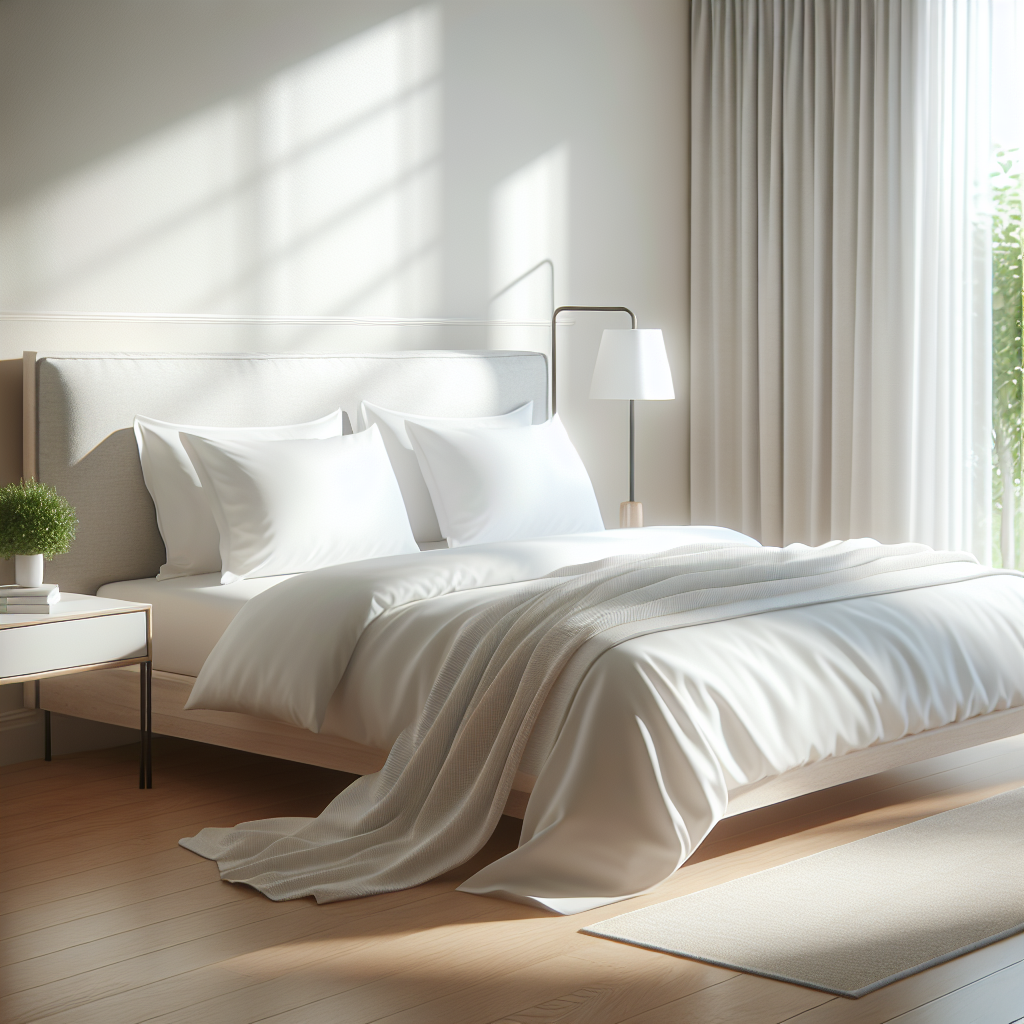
[(840, 270)]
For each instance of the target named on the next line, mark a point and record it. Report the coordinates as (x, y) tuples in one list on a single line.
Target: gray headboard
[(79, 410)]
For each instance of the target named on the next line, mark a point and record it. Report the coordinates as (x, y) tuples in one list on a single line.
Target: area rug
[(860, 916)]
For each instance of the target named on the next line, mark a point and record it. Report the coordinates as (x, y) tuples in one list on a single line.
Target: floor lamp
[(631, 364)]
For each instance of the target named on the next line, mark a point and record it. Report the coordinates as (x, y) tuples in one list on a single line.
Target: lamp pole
[(554, 363)]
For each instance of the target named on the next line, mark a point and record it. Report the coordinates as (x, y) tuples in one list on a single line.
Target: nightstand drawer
[(72, 643)]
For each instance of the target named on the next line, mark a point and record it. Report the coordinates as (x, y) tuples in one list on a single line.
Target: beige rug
[(858, 917)]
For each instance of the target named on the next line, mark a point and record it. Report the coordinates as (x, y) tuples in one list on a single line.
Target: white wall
[(295, 157), (284, 157)]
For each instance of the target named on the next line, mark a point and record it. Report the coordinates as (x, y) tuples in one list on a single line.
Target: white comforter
[(647, 689)]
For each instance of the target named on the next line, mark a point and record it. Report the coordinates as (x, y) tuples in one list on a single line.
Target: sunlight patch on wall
[(317, 193), (351, 193), (529, 224)]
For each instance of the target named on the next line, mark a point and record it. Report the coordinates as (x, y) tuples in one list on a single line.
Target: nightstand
[(83, 634)]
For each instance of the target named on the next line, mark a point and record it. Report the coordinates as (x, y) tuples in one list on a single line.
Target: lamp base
[(631, 513)]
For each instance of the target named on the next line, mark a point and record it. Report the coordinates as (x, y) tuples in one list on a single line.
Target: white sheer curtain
[(840, 308)]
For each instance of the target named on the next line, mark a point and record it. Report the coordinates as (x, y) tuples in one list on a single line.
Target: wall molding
[(89, 316)]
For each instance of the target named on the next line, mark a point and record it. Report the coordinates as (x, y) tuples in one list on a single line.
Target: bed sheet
[(694, 713), (637, 752), (774, 691), (376, 702), (190, 614)]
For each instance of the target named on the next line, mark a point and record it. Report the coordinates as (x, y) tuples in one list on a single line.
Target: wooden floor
[(106, 919)]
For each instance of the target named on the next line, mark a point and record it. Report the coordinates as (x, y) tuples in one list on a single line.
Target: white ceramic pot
[(28, 570)]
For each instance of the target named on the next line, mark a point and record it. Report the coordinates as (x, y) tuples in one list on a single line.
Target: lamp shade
[(632, 364)]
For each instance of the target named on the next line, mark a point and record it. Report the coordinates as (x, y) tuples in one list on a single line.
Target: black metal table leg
[(145, 725), (149, 725), (47, 752), (142, 725)]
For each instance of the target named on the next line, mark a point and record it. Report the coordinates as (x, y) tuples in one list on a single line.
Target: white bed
[(840, 690), (193, 612), (648, 729)]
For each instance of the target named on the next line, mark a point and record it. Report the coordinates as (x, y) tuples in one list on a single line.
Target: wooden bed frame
[(112, 696)]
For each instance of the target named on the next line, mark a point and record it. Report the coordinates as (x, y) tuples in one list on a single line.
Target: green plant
[(34, 520), (1007, 358)]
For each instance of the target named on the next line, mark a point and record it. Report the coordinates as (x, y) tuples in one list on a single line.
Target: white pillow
[(496, 485), (293, 506), (182, 512), (425, 527)]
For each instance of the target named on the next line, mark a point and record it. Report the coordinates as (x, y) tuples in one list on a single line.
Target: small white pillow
[(425, 527), (182, 512), (496, 485), (293, 506)]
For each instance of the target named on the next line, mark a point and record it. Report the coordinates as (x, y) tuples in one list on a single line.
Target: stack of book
[(29, 600)]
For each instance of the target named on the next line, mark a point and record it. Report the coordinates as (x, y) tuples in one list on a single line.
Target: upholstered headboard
[(79, 410)]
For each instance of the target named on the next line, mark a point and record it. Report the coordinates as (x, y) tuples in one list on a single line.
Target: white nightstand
[(83, 634)]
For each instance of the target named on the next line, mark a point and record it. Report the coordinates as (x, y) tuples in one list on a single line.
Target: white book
[(10, 589), (10, 608), (48, 593)]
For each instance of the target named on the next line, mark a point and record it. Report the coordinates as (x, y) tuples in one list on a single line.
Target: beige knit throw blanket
[(441, 792)]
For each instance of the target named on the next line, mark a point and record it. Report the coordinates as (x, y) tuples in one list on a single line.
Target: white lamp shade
[(632, 364)]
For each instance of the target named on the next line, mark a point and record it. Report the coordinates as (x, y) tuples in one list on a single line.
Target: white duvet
[(639, 690)]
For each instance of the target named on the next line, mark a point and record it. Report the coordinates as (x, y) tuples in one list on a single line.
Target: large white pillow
[(425, 527), (496, 485), (182, 512), (293, 506)]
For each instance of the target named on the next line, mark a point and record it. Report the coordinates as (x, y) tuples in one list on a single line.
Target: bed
[(79, 411)]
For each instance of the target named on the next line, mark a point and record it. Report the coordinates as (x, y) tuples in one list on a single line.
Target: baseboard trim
[(21, 735), (19, 718)]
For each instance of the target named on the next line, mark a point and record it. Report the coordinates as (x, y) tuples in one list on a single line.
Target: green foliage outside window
[(1007, 359), (34, 520)]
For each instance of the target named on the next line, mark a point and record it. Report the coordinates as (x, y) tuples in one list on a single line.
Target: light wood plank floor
[(105, 919)]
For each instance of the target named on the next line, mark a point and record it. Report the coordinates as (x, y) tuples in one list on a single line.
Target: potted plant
[(35, 523)]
